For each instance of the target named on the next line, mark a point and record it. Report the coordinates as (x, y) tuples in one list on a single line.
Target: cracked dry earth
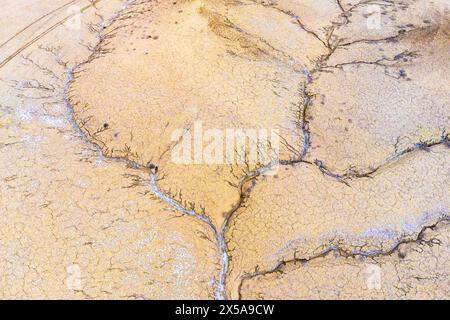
[(92, 207)]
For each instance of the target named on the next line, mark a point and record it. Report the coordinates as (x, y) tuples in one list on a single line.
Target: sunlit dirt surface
[(352, 203)]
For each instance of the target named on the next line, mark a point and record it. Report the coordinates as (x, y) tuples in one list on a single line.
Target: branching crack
[(336, 249), (150, 170), (353, 174), (302, 123)]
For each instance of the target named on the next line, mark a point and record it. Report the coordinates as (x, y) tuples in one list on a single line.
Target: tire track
[(36, 21), (44, 33)]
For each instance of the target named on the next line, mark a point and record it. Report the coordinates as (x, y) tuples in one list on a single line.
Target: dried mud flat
[(355, 205)]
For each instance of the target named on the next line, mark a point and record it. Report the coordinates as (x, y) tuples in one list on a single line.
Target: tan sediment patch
[(301, 212), (176, 65), (374, 100)]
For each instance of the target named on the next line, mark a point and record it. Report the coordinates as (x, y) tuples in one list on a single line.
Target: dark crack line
[(320, 66), (302, 118), (419, 239), (405, 56), (352, 174), (293, 16), (220, 292), (151, 170), (303, 123), (393, 38)]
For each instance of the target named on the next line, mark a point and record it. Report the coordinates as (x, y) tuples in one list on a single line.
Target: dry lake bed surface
[(122, 175)]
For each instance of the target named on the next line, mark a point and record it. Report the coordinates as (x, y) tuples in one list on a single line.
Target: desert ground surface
[(121, 176)]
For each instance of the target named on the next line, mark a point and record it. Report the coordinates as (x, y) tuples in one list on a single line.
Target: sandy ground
[(350, 202)]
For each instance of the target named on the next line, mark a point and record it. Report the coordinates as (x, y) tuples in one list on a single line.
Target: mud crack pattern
[(95, 207)]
